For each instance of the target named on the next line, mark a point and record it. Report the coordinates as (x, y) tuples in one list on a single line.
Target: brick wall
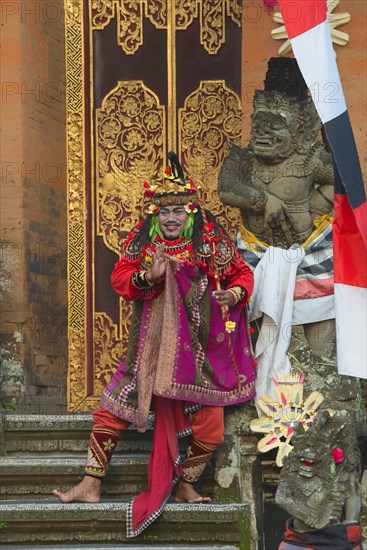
[(33, 199)]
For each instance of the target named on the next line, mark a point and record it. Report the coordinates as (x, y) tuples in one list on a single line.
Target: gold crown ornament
[(173, 190)]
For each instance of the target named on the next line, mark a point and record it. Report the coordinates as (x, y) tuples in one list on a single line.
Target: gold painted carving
[(102, 13), (212, 32), (156, 11), (130, 15), (186, 12), (73, 9), (74, 56), (130, 25), (234, 10), (130, 150), (76, 207), (210, 118), (76, 323), (76, 276), (76, 372), (75, 168), (109, 349), (212, 27)]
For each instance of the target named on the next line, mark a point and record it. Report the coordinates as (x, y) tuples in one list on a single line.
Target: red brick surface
[(33, 196)]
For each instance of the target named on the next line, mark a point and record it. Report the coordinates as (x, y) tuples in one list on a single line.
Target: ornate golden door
[(143, 77)]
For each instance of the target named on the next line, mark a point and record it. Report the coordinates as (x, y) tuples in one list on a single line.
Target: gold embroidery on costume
[(198, 311), (204, 326), (197, 456), (148, 362), (102, 443), (169, 333)]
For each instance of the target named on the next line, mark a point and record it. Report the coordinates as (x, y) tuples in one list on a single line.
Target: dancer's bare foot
[(186, 493), (88, 490)]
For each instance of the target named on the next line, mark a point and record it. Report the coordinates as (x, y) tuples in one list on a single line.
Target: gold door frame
[(210, 117)]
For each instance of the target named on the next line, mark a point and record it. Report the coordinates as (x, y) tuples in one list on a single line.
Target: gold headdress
[(174, 189)]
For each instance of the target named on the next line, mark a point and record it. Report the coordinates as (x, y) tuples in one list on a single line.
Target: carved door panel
[(143, 77)]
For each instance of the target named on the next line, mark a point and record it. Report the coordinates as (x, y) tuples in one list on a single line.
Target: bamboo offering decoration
[(284, 413)]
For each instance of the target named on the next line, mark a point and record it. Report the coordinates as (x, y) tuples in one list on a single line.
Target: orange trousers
[(207, 434)]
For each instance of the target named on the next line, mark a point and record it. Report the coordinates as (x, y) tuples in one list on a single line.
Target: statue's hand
[(313, 521), (276, 215)]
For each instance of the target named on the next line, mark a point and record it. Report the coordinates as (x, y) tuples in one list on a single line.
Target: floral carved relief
[(109, 348), (209, 120), (130, 14), (130, 150)]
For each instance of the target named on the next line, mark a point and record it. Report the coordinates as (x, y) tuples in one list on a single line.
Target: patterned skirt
[(341, 536)]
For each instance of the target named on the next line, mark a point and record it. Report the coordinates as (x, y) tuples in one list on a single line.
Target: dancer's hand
[(159, 265), (224, 297)]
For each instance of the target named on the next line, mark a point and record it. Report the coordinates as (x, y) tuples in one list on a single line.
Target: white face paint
[(172, 220)]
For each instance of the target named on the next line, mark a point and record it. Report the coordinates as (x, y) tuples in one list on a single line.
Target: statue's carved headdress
[(285, 92)]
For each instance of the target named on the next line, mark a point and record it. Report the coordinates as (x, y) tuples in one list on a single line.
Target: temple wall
[(259, 46), (33, 203)]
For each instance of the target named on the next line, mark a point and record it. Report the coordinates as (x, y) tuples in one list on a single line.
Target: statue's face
[(172, 220), (271, 139), (311, 455)]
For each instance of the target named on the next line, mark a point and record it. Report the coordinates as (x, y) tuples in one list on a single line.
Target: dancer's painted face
[(172, 220)]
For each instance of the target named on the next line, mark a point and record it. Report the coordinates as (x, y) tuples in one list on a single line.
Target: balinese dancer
[(189, 349)]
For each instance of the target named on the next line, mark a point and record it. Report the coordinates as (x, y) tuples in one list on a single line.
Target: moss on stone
[(245, 543)]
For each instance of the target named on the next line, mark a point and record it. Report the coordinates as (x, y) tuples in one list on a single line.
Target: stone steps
[(43, 452), (119, 547), (59, 434), (34, 478), (45, 524)]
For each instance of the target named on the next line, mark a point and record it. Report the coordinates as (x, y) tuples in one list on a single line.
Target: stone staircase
[(43, 452)]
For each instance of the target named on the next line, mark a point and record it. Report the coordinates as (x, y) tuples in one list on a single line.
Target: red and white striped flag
[(308, 29)]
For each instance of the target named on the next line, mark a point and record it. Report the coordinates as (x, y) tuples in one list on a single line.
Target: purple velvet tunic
[(178, 348)]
